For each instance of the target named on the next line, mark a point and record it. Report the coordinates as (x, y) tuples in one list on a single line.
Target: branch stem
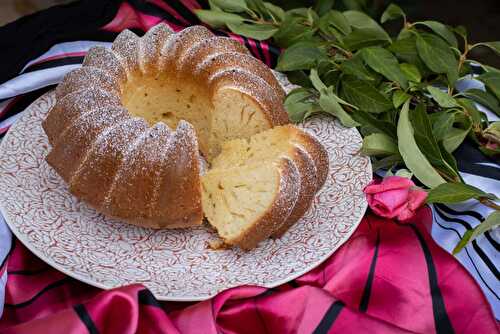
[(489, 203)]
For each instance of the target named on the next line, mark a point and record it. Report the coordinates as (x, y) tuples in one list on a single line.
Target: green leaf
[(293, 29), (360, 38), (276, 12), (442, 30), (323, 6), (392, 12), (312, 17), (495, 46), (477, 117), (217, 18), (363, 95), (257, 6), (316, 81), (462, 31), (336, 20), (484, 98), (360, 20), (300, 104), (449, 193), (424, 137), (367, 31), (332, 77), (411, 72), (354, 4), (356, 67), (442, 122), (454, 138), (387, 162), (414, 159), (379, 144), (329, 102), (437, 55), (236, 6), (403, 172), (449, 159), (399, 97), (492, 82), (406, 50), (367, 119), (384, 62), (492, 221), (300, 56), (259, 32), (330, 105), (443, 99)]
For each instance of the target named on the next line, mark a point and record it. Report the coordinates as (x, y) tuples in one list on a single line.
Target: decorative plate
[(175, 264)]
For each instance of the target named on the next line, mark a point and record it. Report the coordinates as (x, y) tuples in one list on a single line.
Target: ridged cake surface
[(128, 126)]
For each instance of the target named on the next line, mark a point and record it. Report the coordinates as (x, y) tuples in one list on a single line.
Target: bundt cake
[(128, 127)]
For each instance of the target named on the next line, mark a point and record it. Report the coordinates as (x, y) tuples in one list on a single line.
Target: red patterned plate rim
[(174, 265)]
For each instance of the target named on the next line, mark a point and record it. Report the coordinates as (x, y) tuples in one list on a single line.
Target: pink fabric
[(387, 278), (129, 18), (395, 197)]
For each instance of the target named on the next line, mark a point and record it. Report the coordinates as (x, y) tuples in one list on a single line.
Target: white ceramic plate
[(175, 265)]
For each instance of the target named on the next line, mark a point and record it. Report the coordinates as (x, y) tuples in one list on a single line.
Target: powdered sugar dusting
[(72, 105), (150, 45), (181, 41), (254, 86), (93, 121), (124, 168), (229, 61), (199, 52), (85, 77), (126, 47), (106, 60), (119, 139), (115, 135), (289, 189), (106, 129)]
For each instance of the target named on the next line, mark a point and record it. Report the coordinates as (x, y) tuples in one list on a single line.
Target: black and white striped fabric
[(28, 72)]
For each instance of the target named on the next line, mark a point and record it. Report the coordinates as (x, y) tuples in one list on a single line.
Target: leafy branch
[(398, 90)]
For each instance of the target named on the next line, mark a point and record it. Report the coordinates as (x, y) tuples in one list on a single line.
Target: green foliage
[(492, 221), (398, 90), (450, 193), (392, 12)]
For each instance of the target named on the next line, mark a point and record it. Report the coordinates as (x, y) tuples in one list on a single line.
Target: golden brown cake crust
[(72, 105), (277, 214), (101, 163), (256, 88), (318, 153), (78, 138), (198, 54), (89, 152), (308, 186)]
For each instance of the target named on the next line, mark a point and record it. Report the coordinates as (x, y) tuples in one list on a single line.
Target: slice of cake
[(246, 204), (258, 155), (303, 149)]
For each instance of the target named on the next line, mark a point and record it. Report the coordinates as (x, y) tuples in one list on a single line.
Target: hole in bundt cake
[(227, 114)]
